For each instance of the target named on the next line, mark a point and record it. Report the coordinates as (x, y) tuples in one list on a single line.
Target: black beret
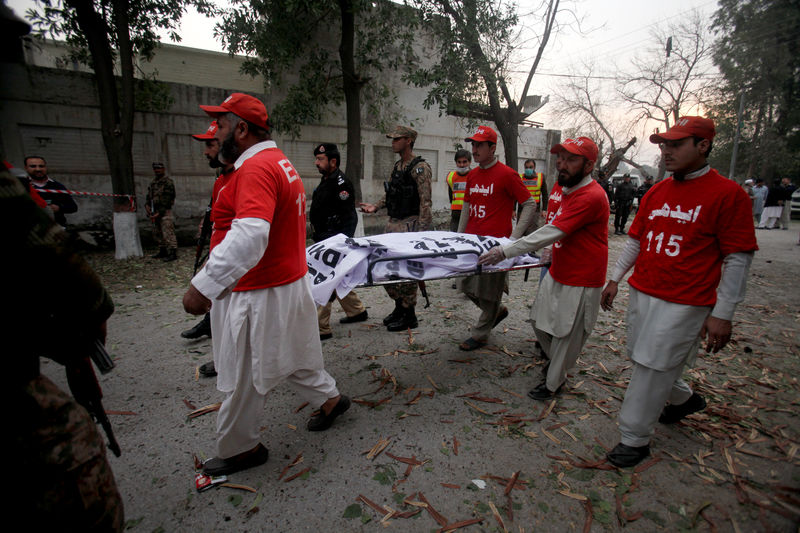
[(326, 148)]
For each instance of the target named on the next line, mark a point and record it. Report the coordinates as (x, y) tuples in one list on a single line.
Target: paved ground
[(459, 417)]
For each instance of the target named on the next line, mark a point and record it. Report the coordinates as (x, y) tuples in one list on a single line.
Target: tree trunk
[(116, 127), (352, 96)]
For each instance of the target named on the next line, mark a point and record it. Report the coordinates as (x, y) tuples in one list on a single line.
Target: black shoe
[(222, 467), (321, 422), (405, 321), (162, 252), (325, 336), (208, 370), (674, 413), (624, 456), (622, 232), (200, 329), (360, 317), (394, 315), (172, 255), (542, 393), (471, 344)]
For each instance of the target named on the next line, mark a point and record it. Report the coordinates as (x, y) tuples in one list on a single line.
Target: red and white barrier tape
[(85, 193)]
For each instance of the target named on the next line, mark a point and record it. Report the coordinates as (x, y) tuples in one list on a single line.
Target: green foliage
[(153, 95), (385, 475), (756, 52), (474, 44), (294, 45), (352, 511), (145, 19)]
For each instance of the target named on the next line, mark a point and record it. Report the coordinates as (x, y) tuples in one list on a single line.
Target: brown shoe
[(321, 422), (222, 467)]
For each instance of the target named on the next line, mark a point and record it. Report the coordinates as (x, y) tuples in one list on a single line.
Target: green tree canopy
[(470, 75), (318, 54), (105, 34), (757, 54)]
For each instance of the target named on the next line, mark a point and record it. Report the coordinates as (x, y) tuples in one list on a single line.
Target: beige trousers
[(351, 304)]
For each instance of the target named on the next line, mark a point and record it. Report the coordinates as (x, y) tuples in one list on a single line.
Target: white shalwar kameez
[(259, 337)]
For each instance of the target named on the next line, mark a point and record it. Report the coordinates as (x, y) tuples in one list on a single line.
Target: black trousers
[(621, 216)]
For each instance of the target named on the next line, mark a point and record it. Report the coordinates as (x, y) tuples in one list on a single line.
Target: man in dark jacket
[(623, 199), (333, 211), (59, 203)]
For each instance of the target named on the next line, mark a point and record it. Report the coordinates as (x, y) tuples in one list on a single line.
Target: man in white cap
[(692, 243), (263, 318)]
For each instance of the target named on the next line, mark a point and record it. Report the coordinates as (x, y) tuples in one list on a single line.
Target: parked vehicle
[(796, 204)]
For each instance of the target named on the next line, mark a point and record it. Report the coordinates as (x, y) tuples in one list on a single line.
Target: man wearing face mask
[(457, 184), (692, 243), (537, 186), (568, 301)]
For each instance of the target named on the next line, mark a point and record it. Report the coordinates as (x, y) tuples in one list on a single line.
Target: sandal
[(471, 344)]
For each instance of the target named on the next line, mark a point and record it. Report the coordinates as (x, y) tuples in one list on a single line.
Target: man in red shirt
[(263, 318), (492, 190), (568, 302), (692, 243)]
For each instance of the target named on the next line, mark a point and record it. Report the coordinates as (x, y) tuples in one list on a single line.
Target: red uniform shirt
[(491, 194), (685, 229), (219, 230), (553, 203), (268, 187), (580, 259)]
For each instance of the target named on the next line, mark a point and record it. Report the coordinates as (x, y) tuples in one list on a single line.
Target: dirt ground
[(458, 417)]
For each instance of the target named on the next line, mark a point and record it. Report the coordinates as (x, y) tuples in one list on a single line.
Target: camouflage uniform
[(421, 172), (160, 199), (61, 475)]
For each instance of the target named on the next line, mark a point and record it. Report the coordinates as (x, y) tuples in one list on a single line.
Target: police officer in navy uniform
[(333, 211)]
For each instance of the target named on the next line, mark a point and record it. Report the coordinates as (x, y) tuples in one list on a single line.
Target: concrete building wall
[(53, 112)]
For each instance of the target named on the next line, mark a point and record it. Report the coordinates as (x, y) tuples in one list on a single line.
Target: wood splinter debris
[(205, 410), (240, 487), (378, 448), (497, 517), (297, 475), (297, 461)]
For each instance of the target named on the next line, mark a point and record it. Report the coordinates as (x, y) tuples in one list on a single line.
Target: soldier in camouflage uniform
[(160, 198), (408, 201), (61, 476)]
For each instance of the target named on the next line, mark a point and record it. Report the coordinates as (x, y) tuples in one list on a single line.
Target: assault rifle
[(205, 235), (86, 390)]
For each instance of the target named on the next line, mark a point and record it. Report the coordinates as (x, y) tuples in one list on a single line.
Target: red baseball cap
[(484, 133), (687, 127), (243, 105), (581, 146), (209, 134)]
